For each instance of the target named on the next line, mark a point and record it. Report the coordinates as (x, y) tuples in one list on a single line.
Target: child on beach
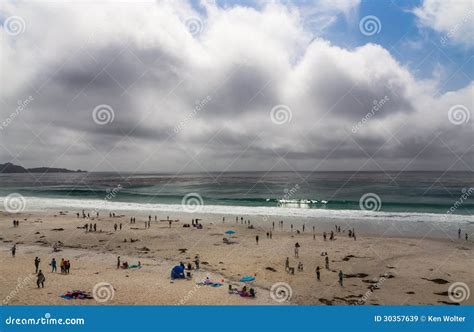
[(40, 280)]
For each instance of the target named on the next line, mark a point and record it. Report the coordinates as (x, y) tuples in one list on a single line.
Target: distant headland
[(11, 168)]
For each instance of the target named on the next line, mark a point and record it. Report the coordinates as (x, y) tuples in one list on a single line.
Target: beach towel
[(212, 284), (134, 266), (76, 295)]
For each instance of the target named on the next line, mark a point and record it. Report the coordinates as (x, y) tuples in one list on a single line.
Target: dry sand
[(407, 270)]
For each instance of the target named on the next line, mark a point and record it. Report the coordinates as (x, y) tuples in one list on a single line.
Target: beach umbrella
[(247, 279), (230, 232)]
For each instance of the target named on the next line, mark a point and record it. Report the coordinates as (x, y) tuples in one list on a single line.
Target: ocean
[(430, 196)]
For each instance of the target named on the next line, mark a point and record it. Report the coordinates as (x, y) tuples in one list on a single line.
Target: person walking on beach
[(13, 250), (37, 264), (115, 227), (291, 228), (196, 261), (459, 233), (40, 280), (53, 265), (118, 262), (120, 227), (273, 224), (318, 273), (324, 236), (466, 236), (341, 278), (303, 228), (287, 263), (256, 239), (326, 260), (297, 246)]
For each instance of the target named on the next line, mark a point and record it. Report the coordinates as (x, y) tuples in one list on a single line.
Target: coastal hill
[(11, 168)]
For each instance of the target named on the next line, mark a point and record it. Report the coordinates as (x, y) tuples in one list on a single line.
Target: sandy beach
[(377, 269)]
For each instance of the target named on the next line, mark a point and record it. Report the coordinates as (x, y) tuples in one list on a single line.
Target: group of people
[(16, 223), (90, 227), (459, 234)]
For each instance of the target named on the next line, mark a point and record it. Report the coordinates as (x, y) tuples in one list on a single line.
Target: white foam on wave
[(45, 204)]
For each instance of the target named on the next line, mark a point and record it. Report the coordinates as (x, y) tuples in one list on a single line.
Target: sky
[(206, 86)]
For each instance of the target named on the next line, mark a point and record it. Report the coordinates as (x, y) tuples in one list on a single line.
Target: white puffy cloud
[(194, 91), (454, 19)]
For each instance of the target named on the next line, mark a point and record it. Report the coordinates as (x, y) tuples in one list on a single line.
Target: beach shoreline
[(403, 267)]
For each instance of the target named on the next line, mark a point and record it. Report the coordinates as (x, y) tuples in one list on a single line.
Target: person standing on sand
[(459, 233), (196, 261), (53, 265), (115, 227), (256, 239), (326, 260), (341, 278), (291, 228), (37, 264), (273, 224), (120, 227), (170, 223), (40, 280), (118, 262), (318, 273), (297, 248), (324, 236), (287, 263), (466, 236), (13, 250), (303, 228)]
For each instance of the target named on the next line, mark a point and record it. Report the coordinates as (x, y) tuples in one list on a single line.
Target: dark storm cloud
[(206, 99)]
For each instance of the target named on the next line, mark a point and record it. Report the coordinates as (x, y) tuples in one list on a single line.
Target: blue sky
[(413, 45)]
